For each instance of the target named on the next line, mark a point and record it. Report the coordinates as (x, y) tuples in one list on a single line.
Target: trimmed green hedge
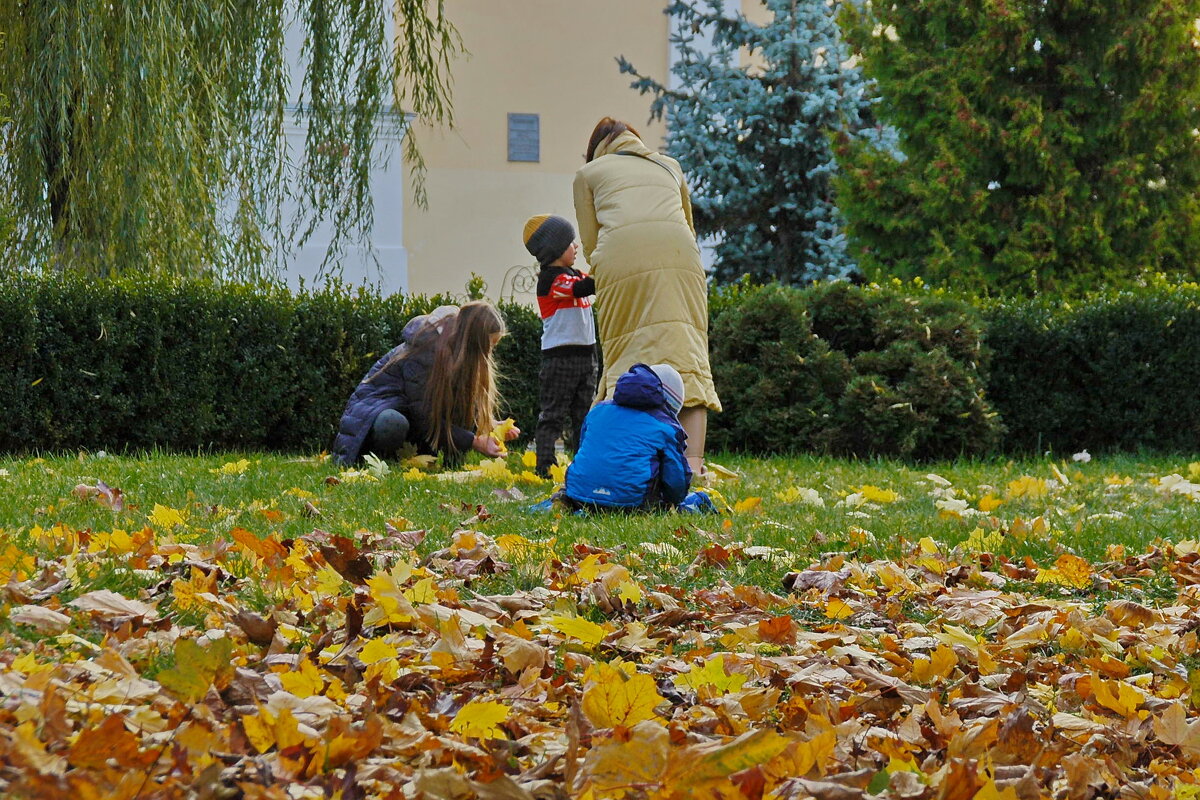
[(843, 369), (189, 364), (1114, 372)]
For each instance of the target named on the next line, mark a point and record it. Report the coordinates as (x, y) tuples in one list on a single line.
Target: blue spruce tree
[(755, 140)]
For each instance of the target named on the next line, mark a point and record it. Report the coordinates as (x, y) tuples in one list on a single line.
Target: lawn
[(266, 626)]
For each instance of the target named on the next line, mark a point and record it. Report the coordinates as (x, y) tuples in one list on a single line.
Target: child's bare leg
[(694, 420)]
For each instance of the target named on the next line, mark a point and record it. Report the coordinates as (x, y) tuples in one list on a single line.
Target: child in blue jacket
[(631, 448)]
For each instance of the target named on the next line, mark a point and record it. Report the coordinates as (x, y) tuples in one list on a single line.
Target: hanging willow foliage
[(149, 135)]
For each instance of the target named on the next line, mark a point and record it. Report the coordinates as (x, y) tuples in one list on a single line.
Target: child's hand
[(488, 446)]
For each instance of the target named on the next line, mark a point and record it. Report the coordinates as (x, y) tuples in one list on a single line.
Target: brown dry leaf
[(107, 603), (43, 620), (347, 560), (640, 760), (519, 655), (110, 740)]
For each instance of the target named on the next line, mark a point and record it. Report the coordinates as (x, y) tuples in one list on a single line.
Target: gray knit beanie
[(547, 236)]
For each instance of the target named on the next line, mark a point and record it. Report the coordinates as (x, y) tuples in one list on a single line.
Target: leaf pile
[(378, 666)]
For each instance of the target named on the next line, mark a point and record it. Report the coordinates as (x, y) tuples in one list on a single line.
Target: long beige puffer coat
[(635, 222)]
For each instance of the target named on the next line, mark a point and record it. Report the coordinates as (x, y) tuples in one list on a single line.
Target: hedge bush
[(1113, 372), (190, 364), (845, 369)]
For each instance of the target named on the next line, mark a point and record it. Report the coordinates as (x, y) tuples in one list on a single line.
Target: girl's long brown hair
[(605, 128), (461, 387)]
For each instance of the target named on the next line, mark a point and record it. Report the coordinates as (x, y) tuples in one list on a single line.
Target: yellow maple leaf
[(584, 630), (586, 571), (940, 664), (838, 609), (980, 541), (480, 720), (1117, 696), (874, 494), (529, 459), (747, 505), (329, 581), (232, 467), (989, 791), (613, 697), (376, 650), (422, 592), (495, 469), (558, 473), (629, 592), (711, 673), (1068, 570), (1076, 571), (989, 503), (500, 433), (391, 604), (165, 517), (414, 474), (303, 682), (1027, 486), (260, 730)]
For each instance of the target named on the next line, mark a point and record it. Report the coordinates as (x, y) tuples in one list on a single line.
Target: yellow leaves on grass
[(1027, 486), (838, 609), (1068, 570), (711, 674), (584, 630), (198, 668), (238, 467), (874, 494), (938, 666), (800, 494), (166, 518), (613, 697), (1118, 696)]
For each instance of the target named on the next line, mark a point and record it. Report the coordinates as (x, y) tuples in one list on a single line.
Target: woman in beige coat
[(635, 223)]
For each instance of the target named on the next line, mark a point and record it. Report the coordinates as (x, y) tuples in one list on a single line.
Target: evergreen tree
[(149, 135), (1051, 144), (754, 139)]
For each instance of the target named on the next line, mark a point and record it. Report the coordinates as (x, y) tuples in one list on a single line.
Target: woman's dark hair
[(607, 128)]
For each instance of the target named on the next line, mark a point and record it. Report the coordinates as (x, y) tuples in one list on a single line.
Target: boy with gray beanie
[(568, 374)]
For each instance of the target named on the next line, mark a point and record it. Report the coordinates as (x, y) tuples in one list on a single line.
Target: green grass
[(268, 498)]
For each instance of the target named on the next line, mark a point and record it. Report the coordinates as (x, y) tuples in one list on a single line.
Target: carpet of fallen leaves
[(326, 666)]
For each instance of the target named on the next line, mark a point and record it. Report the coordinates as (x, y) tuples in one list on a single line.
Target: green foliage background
[(191, 364), (1049, 145), (896, 370), (149, 136), (842, 369)]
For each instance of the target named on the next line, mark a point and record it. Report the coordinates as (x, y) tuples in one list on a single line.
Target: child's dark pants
[(568, 386)]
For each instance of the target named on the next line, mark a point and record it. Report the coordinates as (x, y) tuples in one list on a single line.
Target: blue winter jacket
[(631, 449)]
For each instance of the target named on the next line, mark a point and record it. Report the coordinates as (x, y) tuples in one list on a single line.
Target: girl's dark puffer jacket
[(401, 387)]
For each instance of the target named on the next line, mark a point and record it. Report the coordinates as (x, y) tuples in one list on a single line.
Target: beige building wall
[(554, 58)]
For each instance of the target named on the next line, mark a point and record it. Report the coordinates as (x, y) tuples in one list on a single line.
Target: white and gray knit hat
[(672, 384)]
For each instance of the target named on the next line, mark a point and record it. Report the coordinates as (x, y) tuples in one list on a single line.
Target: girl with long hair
[(436, 390)]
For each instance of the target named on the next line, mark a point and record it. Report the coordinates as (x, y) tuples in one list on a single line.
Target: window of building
[(524, 133)]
